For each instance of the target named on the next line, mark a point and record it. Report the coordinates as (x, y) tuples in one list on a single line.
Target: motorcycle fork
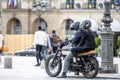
[(55, 56)]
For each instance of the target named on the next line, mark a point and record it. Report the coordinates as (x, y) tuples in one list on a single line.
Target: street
[(23, 69)]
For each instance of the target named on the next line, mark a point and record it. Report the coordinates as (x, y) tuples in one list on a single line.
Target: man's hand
[(50, 49)]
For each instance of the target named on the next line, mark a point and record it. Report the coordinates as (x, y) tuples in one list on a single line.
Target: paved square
[(23, 69)]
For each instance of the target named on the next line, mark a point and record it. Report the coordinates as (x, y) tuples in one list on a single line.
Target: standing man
[(40, 40), (55, 39), (48, 46)]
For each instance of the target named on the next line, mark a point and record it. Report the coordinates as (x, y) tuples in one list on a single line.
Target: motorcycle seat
[(87, 53)]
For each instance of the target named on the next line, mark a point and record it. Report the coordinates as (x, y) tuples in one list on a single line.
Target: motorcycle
[(86, 63)]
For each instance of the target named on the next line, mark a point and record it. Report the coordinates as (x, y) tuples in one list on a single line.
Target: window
[(70, 4), (117, 2), (14, 4), (113, 4), (91, 4), (100, 5), (17, 27), (43, 3)]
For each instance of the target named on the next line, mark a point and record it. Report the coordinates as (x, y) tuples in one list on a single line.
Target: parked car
[(30, 51)]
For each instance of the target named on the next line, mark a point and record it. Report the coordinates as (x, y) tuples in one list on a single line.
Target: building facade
[(59, 14), (18, 16)]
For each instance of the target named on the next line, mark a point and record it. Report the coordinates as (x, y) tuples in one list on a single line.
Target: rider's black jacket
[(76, 39), (87, 39), (84, 39)]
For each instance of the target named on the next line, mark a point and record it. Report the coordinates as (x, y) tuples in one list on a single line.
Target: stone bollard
[(116, 68), (42, 64), (7, 60)]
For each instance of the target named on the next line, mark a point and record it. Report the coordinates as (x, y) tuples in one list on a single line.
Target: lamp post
[(39, 8), (107, 37)]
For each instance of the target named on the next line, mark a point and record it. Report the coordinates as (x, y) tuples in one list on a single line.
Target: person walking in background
[(1, 44), (49, 44), (40, 40), (47, 49), (56, 39)]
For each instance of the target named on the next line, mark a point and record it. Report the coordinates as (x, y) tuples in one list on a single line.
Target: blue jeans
[(67, 62)]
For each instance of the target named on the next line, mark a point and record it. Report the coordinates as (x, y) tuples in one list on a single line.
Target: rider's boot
[(63, 75)]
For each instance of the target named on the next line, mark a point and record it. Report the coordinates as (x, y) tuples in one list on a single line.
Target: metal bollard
[(7, 60)]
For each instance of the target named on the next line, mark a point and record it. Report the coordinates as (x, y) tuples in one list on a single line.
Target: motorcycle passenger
[(84, 40)]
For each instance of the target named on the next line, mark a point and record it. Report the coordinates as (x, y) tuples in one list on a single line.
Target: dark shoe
[(37, 65), (41, 58), (63, 75)]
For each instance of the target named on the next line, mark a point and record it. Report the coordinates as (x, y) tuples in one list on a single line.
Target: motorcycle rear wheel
[(53, 68), (92, 67)]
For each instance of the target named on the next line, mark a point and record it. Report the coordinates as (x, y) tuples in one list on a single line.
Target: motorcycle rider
[(84, 41)]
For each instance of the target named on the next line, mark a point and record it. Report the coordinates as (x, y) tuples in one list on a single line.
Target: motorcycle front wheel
[(91, 68), (53, 67)]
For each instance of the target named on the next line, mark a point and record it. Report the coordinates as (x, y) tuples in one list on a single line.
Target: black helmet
[(86, 24), (75, 25)]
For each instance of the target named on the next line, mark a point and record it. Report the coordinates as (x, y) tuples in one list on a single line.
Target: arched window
[(91, 4), (69, 32), (17, 27), (117, 2), (37, 23), (43, 24), (68, 23), (70, 4), (14, 26), (78, 5)]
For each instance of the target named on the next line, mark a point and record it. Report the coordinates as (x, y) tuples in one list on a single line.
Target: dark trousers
[(39, 56), (55, 49), (0, 52), (69, 56)]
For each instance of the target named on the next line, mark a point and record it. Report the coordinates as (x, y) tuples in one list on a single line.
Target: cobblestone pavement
[(23, 69)]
